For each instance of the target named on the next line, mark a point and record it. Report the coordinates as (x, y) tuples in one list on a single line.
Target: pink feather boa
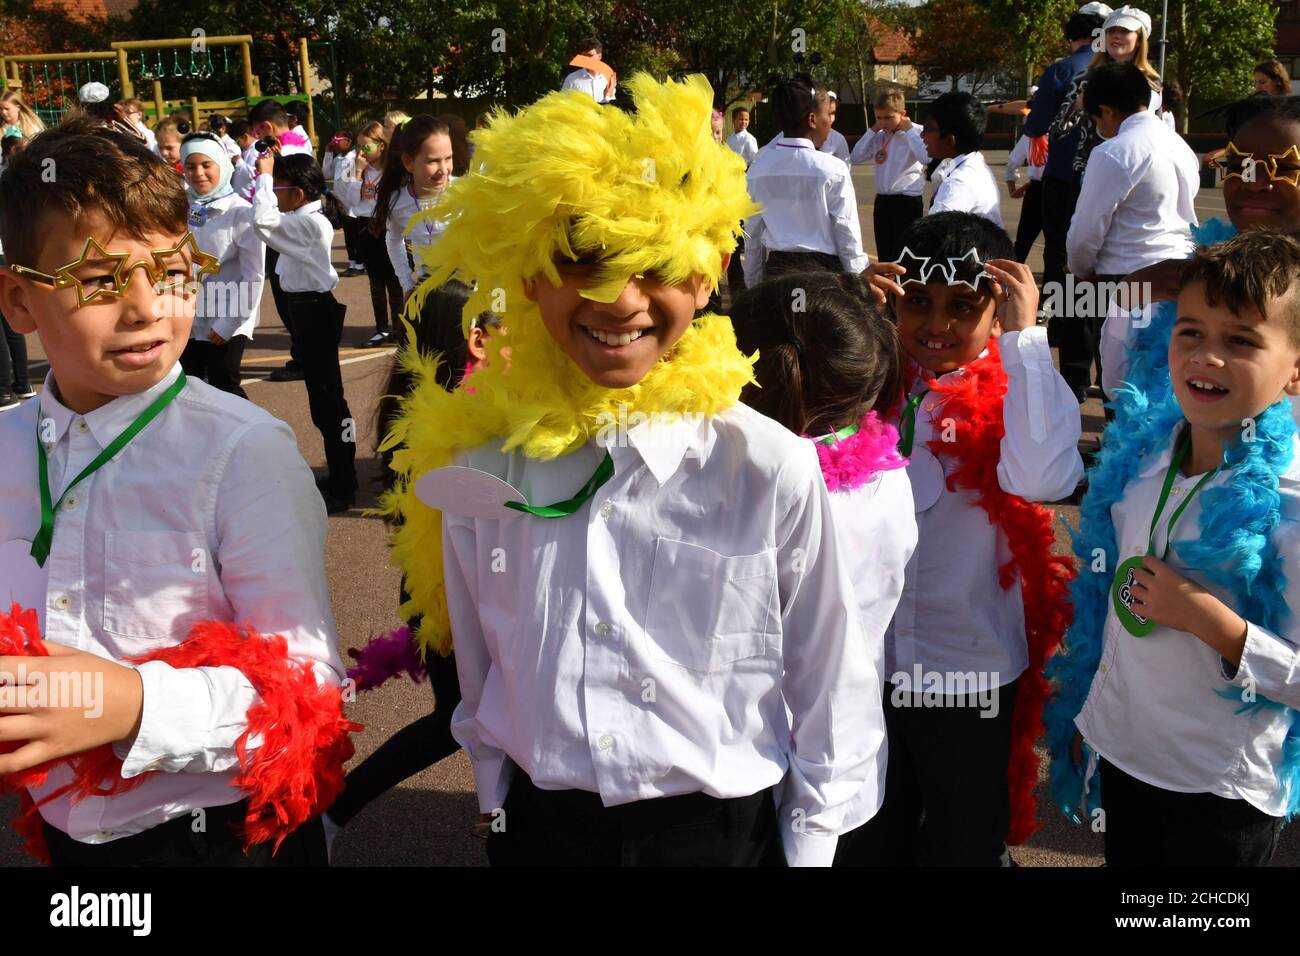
[(384, 657), (853, 461)]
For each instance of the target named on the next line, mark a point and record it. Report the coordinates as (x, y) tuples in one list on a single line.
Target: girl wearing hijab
[(222, 224)]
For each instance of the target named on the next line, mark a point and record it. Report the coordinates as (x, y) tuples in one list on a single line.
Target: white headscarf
[(215, 151)]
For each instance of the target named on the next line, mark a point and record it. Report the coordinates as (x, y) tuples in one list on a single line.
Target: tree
[(956, 38), (1035, 31), (1214, 46)]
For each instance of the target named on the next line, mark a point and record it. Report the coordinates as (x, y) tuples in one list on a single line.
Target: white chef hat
[(93, 93), (1095, 9)]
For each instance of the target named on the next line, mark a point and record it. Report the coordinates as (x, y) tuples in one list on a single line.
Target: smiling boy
[(140, 503), (989, 427), (1186, 646), (656, 639)]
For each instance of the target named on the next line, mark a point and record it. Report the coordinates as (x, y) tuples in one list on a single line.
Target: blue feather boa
[(1235, 547)]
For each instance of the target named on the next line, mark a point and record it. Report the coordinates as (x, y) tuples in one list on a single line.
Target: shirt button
[(69, 502), (63, 602), (606, 509), (105, 834), (82, 426), (605, 742), (602, 628)]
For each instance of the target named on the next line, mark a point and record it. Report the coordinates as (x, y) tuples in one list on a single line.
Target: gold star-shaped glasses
[(169, 269), (1234, 163)]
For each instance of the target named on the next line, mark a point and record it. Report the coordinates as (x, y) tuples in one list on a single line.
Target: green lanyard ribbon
[(848, 431), (907, 423), (561, 509), (45, 536), (1126, 574), (1179, 454)]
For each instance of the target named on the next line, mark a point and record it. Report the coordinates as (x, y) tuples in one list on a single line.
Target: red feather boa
[(294, 775), (975, 401)]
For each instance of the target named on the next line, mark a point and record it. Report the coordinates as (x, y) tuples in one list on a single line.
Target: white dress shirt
[(1020, 157), (340, 171), (229, 302), (358, 195), (836, 145), (1153, 709), (1136, 202), (903, 171), (426, 233), (966, 184), (208, 514), (954, 617), (808, 206), (744, 144), (593, 84), (875, 525), (302, 237), (660, 640)]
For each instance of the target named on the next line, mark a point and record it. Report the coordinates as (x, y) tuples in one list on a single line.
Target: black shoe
[(286, 374), (378, 339), (24, 391), (334, 506), (8, 401), (349, 272)]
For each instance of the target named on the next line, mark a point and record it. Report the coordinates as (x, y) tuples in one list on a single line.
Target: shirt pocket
[(155, 586), (706, 610)]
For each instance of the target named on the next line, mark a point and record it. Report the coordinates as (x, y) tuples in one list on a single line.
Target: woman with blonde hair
[(392, 120), (14, 112), (1272, 79), (1125, 39)]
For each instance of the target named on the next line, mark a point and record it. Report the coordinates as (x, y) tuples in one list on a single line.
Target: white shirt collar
[(795, 142), (1141, 116), (107, 421), (663, 439)]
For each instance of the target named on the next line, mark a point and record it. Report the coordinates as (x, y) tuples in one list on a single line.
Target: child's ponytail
[(407, 140), (826, 355)]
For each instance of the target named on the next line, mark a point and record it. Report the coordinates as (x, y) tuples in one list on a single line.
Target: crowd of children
[(765, 588)]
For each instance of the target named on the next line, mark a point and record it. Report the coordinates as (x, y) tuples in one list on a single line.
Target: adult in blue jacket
[(1060, 182)]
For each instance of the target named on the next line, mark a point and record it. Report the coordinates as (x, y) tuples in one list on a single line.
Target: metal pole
[(1164, 37)]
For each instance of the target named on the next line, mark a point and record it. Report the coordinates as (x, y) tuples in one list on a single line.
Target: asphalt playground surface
[(426, 820)]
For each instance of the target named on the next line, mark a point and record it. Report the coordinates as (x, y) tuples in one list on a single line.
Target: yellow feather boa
[(565, 177)]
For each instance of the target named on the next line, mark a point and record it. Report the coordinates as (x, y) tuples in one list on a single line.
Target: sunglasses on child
[(1278, 167), (170, 270)]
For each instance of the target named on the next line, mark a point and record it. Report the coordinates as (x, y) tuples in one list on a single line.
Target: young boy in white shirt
[(1179, 683), (953, 134), (288, 218), (809, 216), (989, 428), (894, 145), (669, 666), (742, 141), (1136, 204), (138, 504), (836, 145)]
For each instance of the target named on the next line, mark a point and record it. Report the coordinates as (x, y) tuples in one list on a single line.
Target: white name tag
[(467, 491)]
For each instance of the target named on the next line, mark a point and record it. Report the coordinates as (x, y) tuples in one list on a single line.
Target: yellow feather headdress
[(566, 177)]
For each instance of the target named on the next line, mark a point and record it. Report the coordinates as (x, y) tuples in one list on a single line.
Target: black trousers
[(175, 843), (783, 263), (946, 795), (352, 226), (316, 322), (736, 271), (1031, 219), (573, 828), (218, 365), (1149, 826), (281, 307), (1059, 199), (385, 289), (418, 745), (1080, 341), (892, 215), (13, 361)]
